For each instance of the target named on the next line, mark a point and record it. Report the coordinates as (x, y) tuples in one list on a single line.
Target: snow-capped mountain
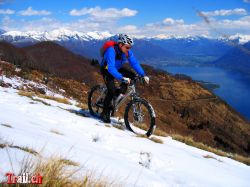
[(168, 37), (167, 49), (241, 38), (65, 34), (50, 126), (2, 31), (54, 35)]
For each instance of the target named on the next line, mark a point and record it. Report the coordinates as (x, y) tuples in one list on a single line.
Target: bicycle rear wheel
[(95, 100), (139, 117)]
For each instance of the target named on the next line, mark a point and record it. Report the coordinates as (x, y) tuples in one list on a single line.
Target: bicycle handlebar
[(137, 78)]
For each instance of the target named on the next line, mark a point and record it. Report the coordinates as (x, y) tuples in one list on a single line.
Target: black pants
[(110, 83)]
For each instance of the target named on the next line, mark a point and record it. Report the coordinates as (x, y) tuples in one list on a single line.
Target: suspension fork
[(137, 111)]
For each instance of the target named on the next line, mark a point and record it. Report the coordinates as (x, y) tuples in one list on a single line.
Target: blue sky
[(137, 17)]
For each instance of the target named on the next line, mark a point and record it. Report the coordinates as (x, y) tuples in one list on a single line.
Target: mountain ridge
[(237, 58), (51, 58), (86, 44)]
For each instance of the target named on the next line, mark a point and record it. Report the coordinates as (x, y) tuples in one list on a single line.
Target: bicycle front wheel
[(139, 117)]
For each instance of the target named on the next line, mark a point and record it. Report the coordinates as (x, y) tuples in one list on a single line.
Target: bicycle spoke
[(139, 118)]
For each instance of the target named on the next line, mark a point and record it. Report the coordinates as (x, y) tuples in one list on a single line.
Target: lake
[(234, 88)]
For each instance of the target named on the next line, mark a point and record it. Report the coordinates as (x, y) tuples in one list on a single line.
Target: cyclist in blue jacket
[(111, 68)]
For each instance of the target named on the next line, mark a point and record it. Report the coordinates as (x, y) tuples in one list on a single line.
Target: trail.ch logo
[(24, 178)]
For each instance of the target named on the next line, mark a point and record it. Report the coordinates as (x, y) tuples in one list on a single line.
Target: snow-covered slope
[(118, 154)]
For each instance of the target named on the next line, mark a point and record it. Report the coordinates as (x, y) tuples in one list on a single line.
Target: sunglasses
[(127, 47)]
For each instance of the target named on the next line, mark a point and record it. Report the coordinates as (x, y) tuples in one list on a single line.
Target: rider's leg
[(126, 73), (109, 81)]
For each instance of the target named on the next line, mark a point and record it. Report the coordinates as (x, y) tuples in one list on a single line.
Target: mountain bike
[(139, 116)]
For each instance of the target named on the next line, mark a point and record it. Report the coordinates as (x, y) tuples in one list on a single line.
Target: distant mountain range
[(156, 51), (2, 31), (88, 44), (237, 58)]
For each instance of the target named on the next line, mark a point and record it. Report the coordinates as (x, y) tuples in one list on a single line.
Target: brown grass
[(3, 145), (190, 141), (120, 127), (6, 125), (36, 76), (58, 172), (25, 93), (56, 132), (26, 149), (211, 157), (32, 94), (156, 140), (159, 132), (141, 136), (58, 99), (152, 138), (242, 159), (82, 106), (142, 126), (72, 88), (69, 162)]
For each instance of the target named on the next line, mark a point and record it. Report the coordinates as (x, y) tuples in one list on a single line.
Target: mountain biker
[(111, 68)]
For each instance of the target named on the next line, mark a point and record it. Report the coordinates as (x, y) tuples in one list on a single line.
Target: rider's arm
[(110, 59), (135, 64)]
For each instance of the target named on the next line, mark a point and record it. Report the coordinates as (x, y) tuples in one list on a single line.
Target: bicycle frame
[(131, 92)]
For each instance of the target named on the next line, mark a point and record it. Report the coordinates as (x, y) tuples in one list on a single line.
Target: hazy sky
[(136, 17)]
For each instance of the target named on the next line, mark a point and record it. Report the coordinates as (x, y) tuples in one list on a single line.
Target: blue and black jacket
[(113, 60)]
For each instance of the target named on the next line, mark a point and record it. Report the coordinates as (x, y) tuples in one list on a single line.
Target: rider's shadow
[(81, 112), (85, 113)]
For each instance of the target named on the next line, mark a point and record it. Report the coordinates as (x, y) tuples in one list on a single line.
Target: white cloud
[(174, 27), (170, 21), (42, 24), (162, 28), (246, 1), (242, 24), (129, 29), (48, 24), (98, 12), (30, 12), (236, 11), (6, 11)]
